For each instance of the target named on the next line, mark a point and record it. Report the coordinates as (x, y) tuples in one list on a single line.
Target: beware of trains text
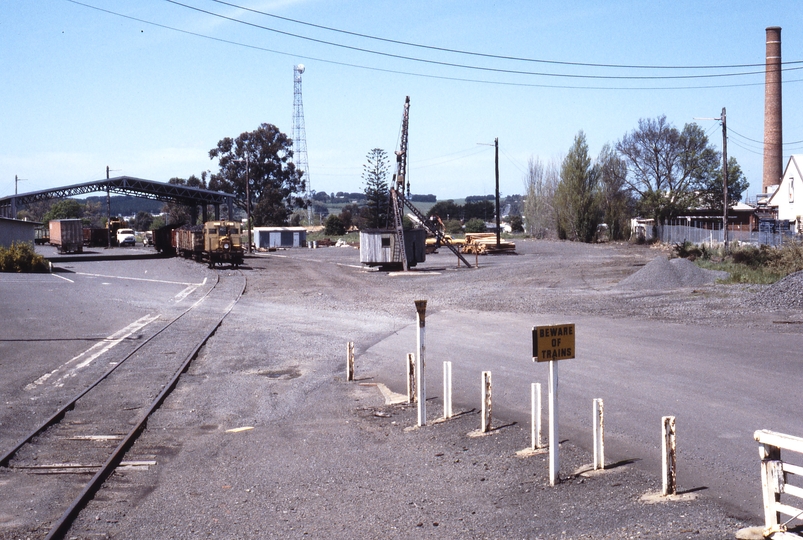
[(554, 342)]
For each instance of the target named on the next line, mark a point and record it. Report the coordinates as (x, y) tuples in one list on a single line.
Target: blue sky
[(83, 88)]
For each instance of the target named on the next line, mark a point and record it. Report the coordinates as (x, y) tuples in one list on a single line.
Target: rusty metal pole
[(487, 405), (421, 390), (411, 378), (350, 361), (668, 460)]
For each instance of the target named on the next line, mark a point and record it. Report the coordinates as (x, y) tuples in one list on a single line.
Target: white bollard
[(668, 460), (410, 378), (350, 361), (599, 434), (447, 390), (420, 386), (535, 409), (485, 424)]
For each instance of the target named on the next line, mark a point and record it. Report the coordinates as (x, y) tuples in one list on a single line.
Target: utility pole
[(248, 199), (108, 212), (724, 179), (247, 162), (17, 181), (722, 120), (498, 217)]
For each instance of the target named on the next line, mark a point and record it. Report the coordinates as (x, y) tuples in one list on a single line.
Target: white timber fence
[(775, 478)]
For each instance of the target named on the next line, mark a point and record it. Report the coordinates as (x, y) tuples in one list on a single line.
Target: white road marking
[(62, 277), (71, 367), (185, 293), (142, 279)]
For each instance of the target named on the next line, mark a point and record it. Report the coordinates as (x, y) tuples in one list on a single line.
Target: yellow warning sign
[(554, 342)]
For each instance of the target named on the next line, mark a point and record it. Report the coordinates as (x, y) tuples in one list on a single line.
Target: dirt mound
[(664, 274), (786, 293)]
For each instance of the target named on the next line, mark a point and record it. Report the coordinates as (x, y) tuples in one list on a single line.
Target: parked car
[(148, 238), (125, 237)]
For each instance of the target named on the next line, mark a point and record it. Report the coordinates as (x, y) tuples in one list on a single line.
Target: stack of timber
[(485, 243), (432, 243)]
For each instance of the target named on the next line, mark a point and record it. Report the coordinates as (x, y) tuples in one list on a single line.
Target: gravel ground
[(324, 458)]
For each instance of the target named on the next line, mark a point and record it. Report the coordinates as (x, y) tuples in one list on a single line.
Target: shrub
[(334, 225), (453, 226), (21, 257), (475, 225), (688, 250)]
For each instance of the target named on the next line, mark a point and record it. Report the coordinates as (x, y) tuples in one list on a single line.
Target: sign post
[(550, 344)]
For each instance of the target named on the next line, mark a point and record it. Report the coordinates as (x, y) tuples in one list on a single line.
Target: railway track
[(91, 432)]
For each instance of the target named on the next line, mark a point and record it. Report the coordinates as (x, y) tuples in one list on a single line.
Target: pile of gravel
[(786, 293), (663, 274)]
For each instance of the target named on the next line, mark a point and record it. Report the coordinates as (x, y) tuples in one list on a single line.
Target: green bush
[(21, 257), (475, 225), (763, 264), (453, 226), (334, 226)]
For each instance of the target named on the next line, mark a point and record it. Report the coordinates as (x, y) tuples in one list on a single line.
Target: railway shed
[(188, 196), (16, 230), (279, 237)]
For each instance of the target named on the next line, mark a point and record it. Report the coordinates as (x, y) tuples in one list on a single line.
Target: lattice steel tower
[(300, 136)]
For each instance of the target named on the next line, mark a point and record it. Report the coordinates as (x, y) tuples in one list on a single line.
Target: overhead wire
[(419, 75), (488, 55), (468, 66)]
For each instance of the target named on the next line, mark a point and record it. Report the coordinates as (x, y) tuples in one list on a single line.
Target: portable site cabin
[(279, 237), (377, 247)]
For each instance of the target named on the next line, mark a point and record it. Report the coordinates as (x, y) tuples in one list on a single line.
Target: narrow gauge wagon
[(164, 239), (216, 242)]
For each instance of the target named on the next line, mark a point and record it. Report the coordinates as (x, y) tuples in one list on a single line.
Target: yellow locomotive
[(214, 242)]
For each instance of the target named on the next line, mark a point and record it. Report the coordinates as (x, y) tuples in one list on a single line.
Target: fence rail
[(774, 478), (678, 232)]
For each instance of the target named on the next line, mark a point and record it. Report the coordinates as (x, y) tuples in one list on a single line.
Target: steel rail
[(59, 414), (61, 527)]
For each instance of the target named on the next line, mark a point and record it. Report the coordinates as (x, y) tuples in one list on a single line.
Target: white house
[(788, 198)]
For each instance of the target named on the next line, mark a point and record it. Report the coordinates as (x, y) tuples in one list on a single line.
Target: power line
[(467, 66), (762, 142), (488, 55), (421, 75)]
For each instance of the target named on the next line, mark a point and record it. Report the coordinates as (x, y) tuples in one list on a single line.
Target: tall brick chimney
[(773, 118)]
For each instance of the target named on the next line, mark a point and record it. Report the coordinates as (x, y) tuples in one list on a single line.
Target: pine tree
[(377, 193)]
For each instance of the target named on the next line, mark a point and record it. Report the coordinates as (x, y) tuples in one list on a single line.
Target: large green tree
[(668, 168), (712, 195), (576, 197), (64, 209), (374, 175), (275, 185)]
